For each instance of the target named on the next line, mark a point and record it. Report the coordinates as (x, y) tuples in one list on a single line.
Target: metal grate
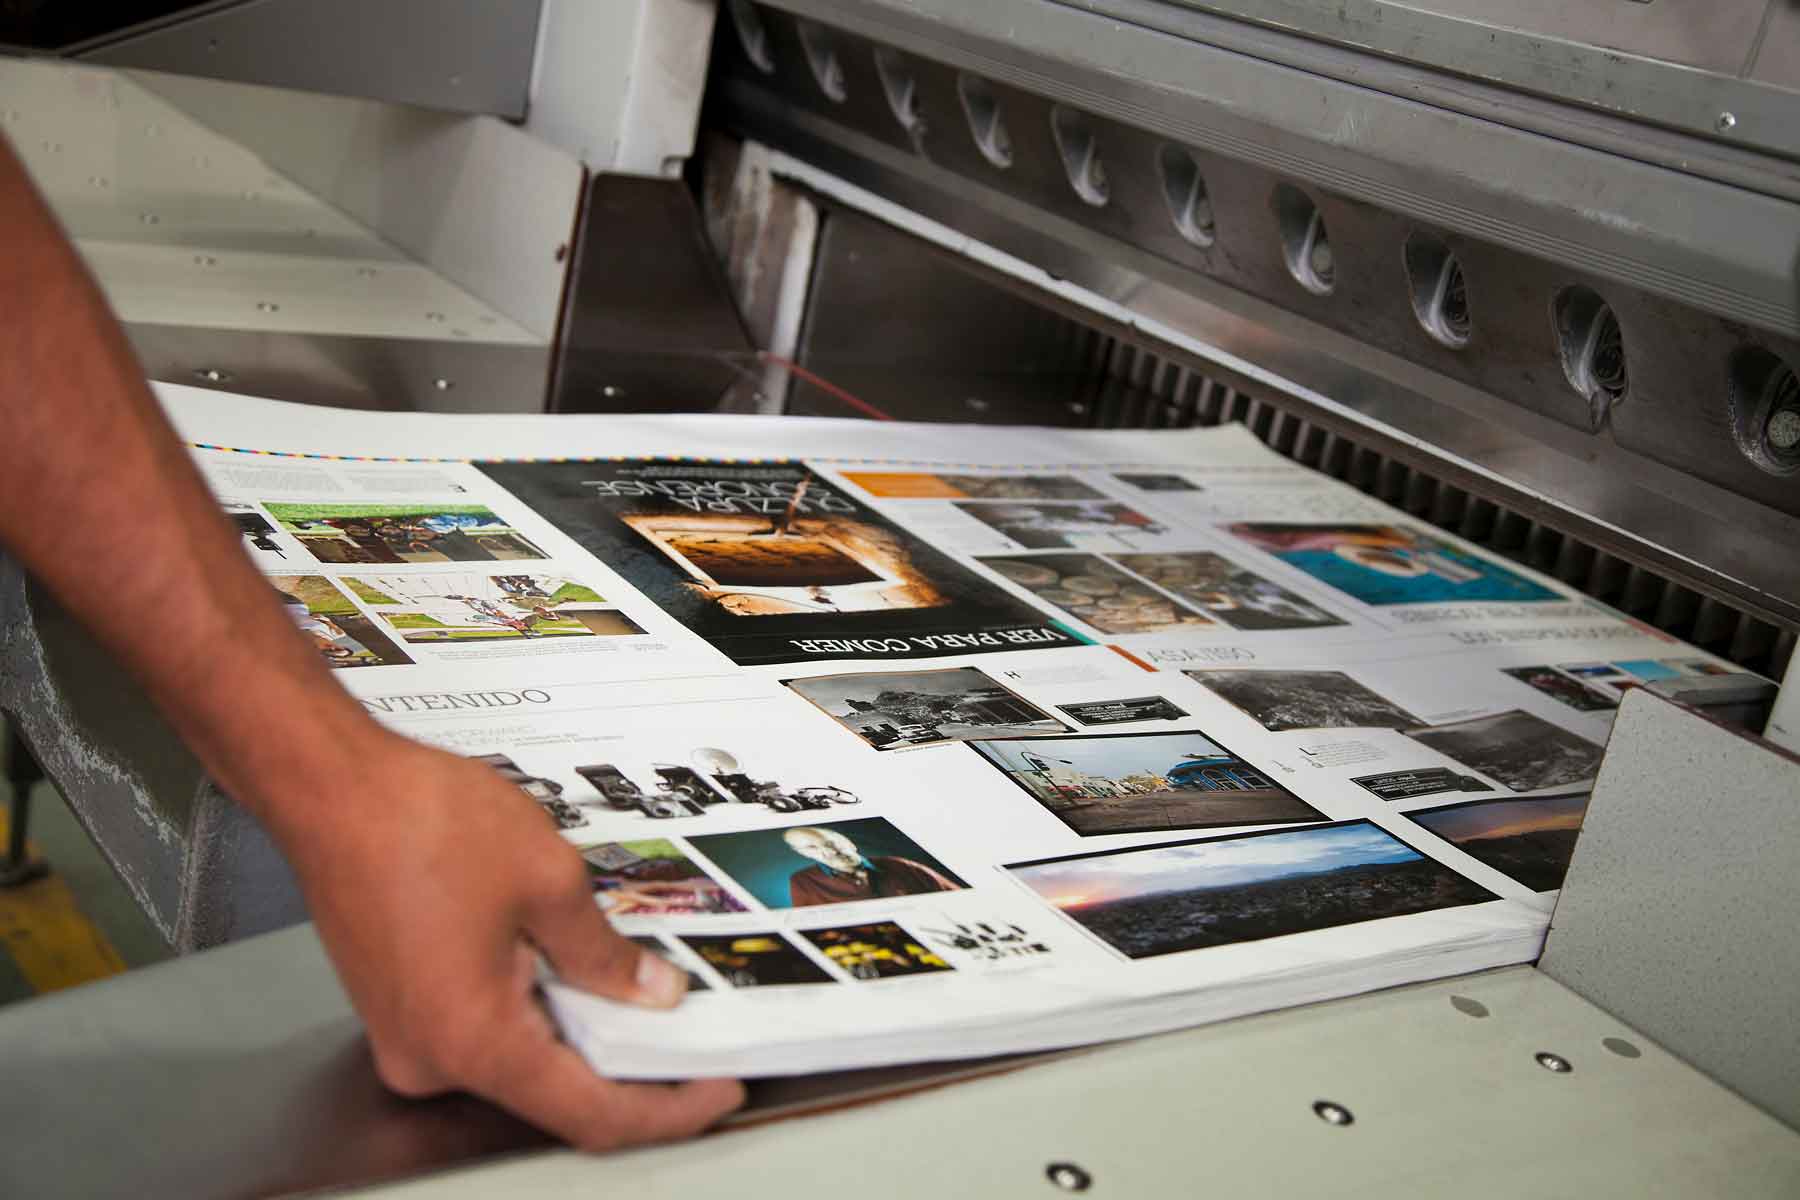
[(1129, 387)]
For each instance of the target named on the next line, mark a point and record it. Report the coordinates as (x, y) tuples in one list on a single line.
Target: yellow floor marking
[(48, 936)]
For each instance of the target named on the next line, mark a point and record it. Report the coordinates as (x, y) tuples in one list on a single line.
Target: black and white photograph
[(1156, 900), (1137, 782), (1096, 593), (897, 710), (1524, 752), (1282, 700), (1144, 482), (1093, 525), (1227, 592)]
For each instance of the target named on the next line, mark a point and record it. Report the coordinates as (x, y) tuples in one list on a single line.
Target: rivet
[(434, 316), (612, 392), (212, 375), (1068, 1177), (1621, 1047), (1726, 123), (443, 385), (1333, 1113), (1554, 1063), (149, 218), (205, 260), (267, 306)]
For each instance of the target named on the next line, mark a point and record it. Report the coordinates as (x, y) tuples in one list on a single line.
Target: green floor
[(101, 895)]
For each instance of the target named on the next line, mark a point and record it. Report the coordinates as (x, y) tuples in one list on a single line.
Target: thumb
[(588, 953)]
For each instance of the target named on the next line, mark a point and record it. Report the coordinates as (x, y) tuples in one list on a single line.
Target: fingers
[(590, 954), (534, 1076)]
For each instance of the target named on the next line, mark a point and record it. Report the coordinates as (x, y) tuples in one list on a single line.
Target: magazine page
[(911, 756)]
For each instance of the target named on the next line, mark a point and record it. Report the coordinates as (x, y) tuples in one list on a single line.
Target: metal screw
[(443, 385), (1783, 428), (149, 218), (205, 260), (1332, 1113), (267, 306), (1068, 1177), (434, 316), (1726, 123), (1554, 1063), (612, 392), (212, 375)]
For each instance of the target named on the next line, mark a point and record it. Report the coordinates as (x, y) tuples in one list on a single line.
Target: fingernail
[(660, 983)]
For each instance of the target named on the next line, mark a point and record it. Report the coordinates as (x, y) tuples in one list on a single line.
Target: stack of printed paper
[(911, 742)]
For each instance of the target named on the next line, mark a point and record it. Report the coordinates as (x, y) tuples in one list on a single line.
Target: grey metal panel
[(200, 868), (1673, 64), (463, 55), (241, 1072), (1778, 58), (1683, 527), (648, 322), (1679, 910), (348, 372), (1718, 248)]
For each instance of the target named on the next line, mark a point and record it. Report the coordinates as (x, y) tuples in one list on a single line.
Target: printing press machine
[(1529, 271)]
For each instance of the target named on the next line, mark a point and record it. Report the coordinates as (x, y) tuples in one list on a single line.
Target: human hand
[(433, 899)]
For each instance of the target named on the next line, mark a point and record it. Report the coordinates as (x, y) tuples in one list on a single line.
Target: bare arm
[(430, 879)]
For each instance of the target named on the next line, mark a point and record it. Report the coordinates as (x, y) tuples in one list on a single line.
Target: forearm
[(138, 550)]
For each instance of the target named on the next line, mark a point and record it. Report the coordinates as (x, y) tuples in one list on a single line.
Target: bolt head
[(1333, 1113), (1726, 123), (1068, 1177), (1554, 1063), (1783, 429)]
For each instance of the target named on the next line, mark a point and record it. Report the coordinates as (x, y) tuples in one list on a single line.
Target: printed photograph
[(1530, 841), (756, 959), (400, 533), (1525, 753), (1092, 524), (716, 776), (836, 863), (1420, 781), (1226, 591), (1282, 700), (770, 563), (900, 710), (1094, 592), (1192, 895), (436, 609), (1650, 670), (986, 943), (882, 950), (655, 946), (258, 534), (909, 485), (1562, 688), (1141, 782), (1122, 712), (342, 635), (1159, 483), (1387, 564), (1597, 674), (653, 878)]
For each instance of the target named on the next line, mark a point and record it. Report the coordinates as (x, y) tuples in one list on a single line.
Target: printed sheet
[(909, 742)]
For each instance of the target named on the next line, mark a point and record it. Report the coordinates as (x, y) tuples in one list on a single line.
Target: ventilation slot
[(901, 88), (1304, 241), (1080, 150), (1440, 295), (1765, 410), (1185, 190), (753, 35), (1593, 350), (822, 58), (986, 125)]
